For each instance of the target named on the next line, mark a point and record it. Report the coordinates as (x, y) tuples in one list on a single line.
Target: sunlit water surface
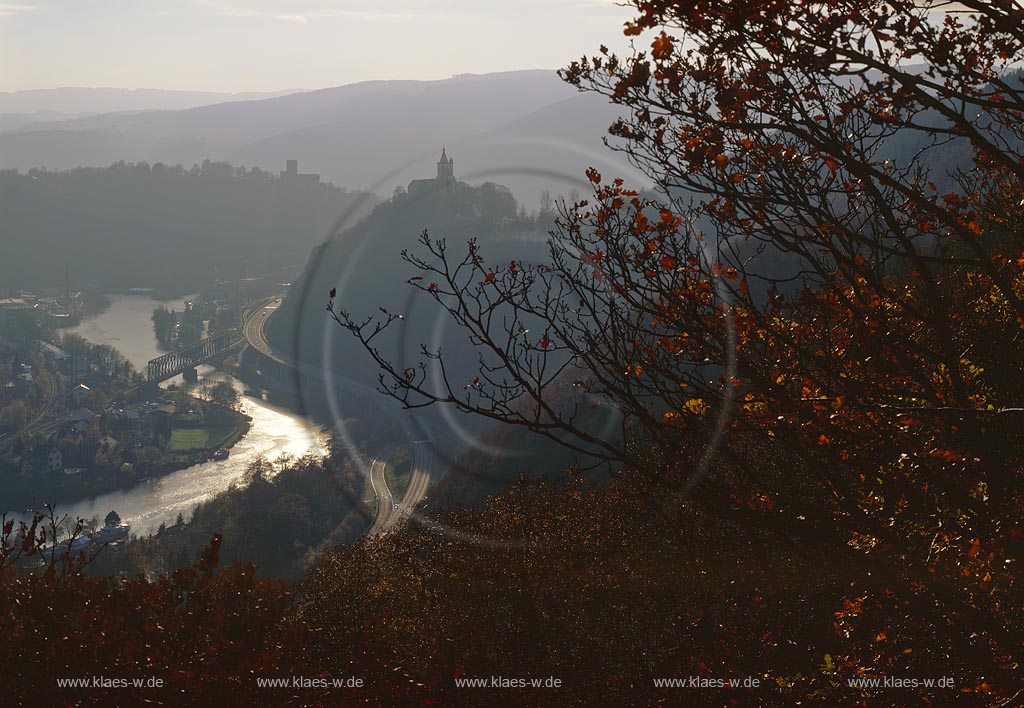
[(275, 431)]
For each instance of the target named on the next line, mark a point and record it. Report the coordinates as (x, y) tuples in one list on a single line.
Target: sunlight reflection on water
[(275, 431)]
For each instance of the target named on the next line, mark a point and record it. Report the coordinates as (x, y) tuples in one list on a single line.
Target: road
[(424, 456), (389, 512), (255, 325), (386, 511)]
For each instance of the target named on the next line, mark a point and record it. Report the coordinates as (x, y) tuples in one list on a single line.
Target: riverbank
[(278, 427), (191, 441), (194, 443)]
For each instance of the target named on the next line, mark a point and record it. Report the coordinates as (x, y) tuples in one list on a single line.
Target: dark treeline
[(159, 226), (286, 513)]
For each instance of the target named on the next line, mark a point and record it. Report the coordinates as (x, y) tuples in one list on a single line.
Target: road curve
[(424, 456), (386, 515), (254, 329)]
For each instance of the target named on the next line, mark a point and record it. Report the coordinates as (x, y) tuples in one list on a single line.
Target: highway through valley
[(389, 513)]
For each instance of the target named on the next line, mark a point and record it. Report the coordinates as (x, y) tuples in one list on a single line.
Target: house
[(15, 312), (66, 362), (78, 392), (165, 411), (82, 415)]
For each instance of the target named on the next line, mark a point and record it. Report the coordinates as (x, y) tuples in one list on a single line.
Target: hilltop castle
[(291, 174), (445, 175)]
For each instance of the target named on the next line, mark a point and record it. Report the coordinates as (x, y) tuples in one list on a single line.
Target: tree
[(547, 204), (14, 415), (149, 456), (224, 394), (825, 294), (95, 400), (77, 347), (164, 322), (190, 330), (112, 519)]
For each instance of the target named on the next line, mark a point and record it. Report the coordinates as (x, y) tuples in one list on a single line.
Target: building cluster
[(74, 446), (25, 308)]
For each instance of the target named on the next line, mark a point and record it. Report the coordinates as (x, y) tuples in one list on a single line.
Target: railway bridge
[(181, 360)]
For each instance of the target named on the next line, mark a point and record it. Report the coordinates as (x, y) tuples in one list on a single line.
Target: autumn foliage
[(814, 328), (809, 342)]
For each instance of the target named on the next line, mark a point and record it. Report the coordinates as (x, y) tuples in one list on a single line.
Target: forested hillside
[(156, 226), (364, 264)]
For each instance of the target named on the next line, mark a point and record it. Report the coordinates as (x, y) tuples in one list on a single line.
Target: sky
[(268, 45)]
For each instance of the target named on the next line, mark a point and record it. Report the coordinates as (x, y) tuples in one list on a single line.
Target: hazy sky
[(251, 45)]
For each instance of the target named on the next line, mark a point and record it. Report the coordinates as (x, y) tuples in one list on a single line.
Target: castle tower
[(445, 166)]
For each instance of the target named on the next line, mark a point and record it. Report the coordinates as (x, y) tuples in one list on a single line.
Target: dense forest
[(364, 264), (282, 517), (164, 227)]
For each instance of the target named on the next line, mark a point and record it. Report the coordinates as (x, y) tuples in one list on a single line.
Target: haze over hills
[(175, 230), (365, 264), (78, 100), (526, 129)]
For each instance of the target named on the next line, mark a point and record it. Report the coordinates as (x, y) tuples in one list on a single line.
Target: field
[(184, 439)]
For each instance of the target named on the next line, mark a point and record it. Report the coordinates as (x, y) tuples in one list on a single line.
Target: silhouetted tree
[(803, 300)]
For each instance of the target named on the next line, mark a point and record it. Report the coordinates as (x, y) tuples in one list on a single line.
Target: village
[(77, 419)]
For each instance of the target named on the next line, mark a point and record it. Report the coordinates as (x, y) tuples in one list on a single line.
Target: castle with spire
[(445, 166), (445, 175)]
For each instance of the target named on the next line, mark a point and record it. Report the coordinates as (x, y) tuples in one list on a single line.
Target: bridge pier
[(191, 375)]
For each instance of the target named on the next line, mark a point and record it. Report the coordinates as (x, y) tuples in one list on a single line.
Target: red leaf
[(662, 47)]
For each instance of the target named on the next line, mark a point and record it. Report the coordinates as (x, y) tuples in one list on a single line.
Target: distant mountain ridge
[(525, 129), (79, 99)]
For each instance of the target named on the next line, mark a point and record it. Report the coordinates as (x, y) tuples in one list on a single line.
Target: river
[(275, 431)]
